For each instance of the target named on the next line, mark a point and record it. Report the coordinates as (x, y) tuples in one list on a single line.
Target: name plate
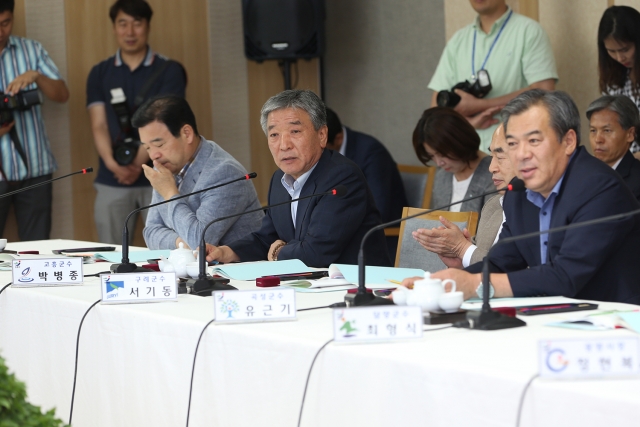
[(138, 287), (47, 271), (254, 306), (379, 323), (589, 357)]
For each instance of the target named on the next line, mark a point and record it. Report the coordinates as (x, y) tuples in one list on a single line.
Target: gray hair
[(625, 108), (563, 113), (303, 99)]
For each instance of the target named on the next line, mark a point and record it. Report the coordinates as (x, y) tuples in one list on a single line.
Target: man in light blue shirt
[(25, 155)]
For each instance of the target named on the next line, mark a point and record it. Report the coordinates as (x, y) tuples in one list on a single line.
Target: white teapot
[(427, 292), (178, 260)]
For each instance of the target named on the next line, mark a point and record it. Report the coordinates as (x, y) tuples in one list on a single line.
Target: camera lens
[(446, 98), (125, 153)]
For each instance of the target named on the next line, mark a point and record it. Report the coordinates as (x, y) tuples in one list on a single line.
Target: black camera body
[(21, 101), (478, 88), (126, 147)]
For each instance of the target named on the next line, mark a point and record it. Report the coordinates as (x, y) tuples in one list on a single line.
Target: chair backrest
[(418, 184), (410, 254)]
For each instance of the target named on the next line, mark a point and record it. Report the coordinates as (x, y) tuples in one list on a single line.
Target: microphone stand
[(128, 267), (206, 284), (488, 320)]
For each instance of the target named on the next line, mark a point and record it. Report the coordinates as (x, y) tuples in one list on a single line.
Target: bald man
[(454, 247)]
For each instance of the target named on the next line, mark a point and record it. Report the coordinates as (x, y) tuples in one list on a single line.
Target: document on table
[(253, 270), (321, 285), (377, 277), (134, 256)]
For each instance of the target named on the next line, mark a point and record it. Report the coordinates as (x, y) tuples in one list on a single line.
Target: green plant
[(15, 411)]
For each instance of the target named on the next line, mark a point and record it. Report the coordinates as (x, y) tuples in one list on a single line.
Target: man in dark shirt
[(613, 124), (115, 88)]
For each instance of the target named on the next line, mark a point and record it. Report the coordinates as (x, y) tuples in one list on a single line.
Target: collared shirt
[(294, 187), (180, 175), (616, 164), (113, 73), (19, 56), (466, 258), (343, 147), (544, 217), (521, 56)]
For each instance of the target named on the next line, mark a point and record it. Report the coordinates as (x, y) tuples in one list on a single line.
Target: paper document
[(134, 256), (377, 277), (253, 270)]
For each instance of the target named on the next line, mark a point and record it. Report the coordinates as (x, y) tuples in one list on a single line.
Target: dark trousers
[(32, 207)]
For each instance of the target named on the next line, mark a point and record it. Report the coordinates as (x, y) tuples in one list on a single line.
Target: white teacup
[(400, 295), (193, 269), (3, 244), (451, 301)]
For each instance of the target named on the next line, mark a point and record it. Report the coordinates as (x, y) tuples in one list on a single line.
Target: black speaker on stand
[(284, 30)]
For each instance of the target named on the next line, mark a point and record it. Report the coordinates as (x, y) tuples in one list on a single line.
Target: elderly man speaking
[(319, 230)]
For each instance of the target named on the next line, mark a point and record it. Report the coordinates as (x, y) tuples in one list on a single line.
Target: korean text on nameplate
[(589, 357), (379, 323), (47, 272), (138, 287), (254, 306)]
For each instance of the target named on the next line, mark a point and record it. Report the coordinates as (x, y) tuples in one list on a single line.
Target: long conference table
[(135, 361)]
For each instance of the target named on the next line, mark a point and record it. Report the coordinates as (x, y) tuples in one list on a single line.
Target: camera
[(21, 101), (479, 88), (128, 143)]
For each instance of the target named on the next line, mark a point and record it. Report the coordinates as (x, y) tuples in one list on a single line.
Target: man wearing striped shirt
[(25, 154)]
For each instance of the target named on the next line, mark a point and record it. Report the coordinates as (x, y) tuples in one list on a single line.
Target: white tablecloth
[(135, 366)]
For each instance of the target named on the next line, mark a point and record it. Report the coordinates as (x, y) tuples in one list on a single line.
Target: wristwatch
[(480, 287)]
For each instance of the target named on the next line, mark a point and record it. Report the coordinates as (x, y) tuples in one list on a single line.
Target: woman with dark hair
[(447, 138), (618, 64)]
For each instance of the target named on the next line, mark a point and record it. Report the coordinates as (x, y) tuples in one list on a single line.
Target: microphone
[(81, 171), (128, 267), (204, 285), (489, 320), (362, 297)]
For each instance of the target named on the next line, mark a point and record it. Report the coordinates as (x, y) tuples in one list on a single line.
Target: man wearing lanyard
[(25, 154), (512, 48)]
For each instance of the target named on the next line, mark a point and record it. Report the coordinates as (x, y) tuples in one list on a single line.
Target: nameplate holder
[(378, 323), (590, 358), (269, 305), (33, 272), (131, 288)]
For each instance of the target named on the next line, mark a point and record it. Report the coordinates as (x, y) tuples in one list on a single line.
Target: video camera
[(479, 88), (21, 101), (126, 147)]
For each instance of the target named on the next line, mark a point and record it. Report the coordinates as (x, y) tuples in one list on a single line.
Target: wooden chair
[(410, 254), (418, 186)]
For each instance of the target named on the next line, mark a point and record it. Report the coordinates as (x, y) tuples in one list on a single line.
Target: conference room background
[(379, 57)]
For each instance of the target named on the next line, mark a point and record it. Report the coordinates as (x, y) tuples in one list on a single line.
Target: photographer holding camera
[(25, 154), (116, 87), (490, 62)]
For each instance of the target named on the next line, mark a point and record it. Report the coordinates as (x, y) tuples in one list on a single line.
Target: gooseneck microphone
[(489, 320), (362, 297), (128, 267), (81, 171), (204, 285)]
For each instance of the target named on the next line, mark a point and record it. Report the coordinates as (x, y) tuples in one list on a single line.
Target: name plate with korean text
[(138, 287), (30, 272), (379, 323), (589, 357), (254, 306)]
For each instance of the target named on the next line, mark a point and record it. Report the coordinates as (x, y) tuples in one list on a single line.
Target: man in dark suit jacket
[(319, 230), (565, 185), (613, 121), (376, 164)]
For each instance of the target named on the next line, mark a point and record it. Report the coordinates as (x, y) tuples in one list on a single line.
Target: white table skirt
[(135, 365)]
